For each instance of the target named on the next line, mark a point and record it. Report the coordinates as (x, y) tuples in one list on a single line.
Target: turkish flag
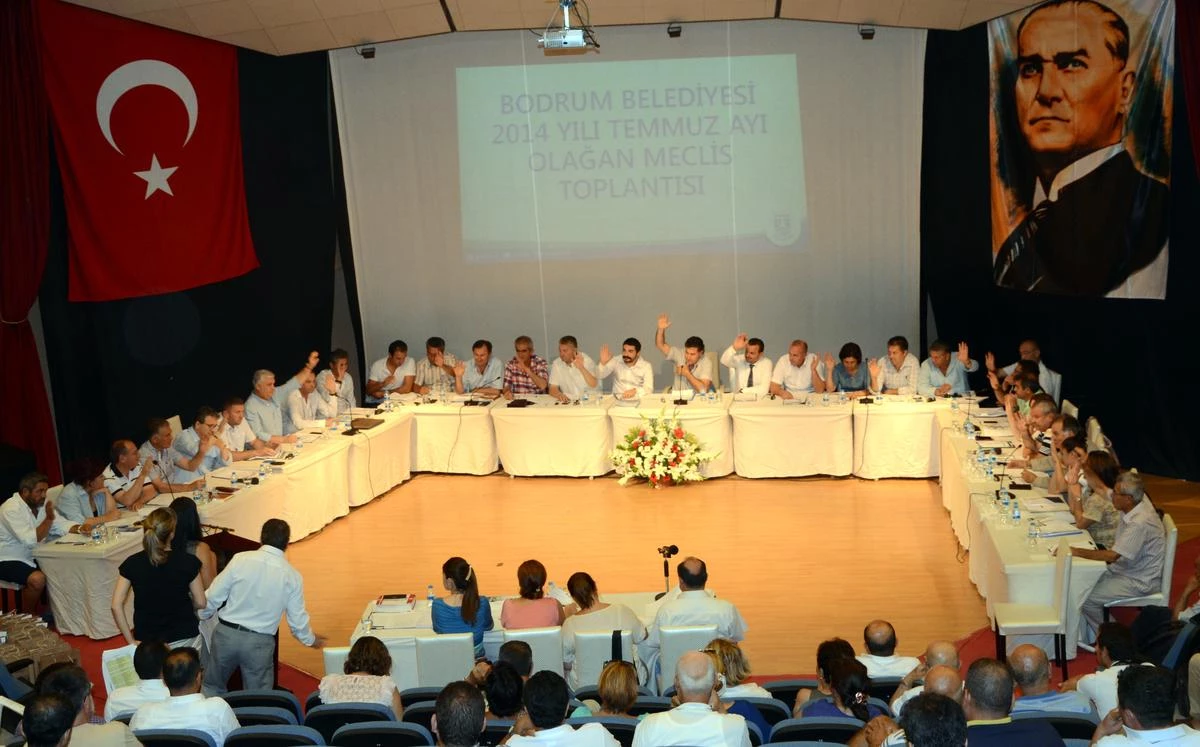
[(149, 146)]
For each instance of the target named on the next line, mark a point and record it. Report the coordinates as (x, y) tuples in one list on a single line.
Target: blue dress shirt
[(264, 416), (930, 377)]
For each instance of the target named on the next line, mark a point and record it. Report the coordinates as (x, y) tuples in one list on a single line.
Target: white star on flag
[(156, 177)]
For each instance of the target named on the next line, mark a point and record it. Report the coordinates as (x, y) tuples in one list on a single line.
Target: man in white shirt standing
[(694, 606), (571, 372), (393, 374), (307, 409), (235, 432), (752, 370), (896, 372), (1145, 712), (880, 660), (187, 708), (540, 723), (148, 660), (798, 372), (198, 448), (633, 376), (693, 721), (692, 368), (26, 520), (335, 384), (249, 597)]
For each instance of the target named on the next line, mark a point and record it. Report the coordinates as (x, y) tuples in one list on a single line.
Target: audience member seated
[(305, 408), (84, 500), (697, 720), (943, 376), (127, 479), (799, 371), (1090, 480), (198, 448), (236, 434), (1145, 712), (263, 413), (572, 372), (1194, 689), (882, 730), (937, 654), (617, 690), (366, 678), (533, 609), (48, 721), (987, 704), (148, 660), (752, 371), (189, 539), (187, 708), (26, 520), (896, 372), (827, 651), (517, 655), (732, 703), (540, 722), (1135, 560), (72, 683), (694, 606), (691, 369), (850, 375), (933, 720), (1115, 651), (502, 688), (335, 385), (590, 614), (462, 610), (394, 374), (458, 718), (1181, 611), (881, 660), (851, 688), (166, 585), (483, 376), (1031, 672)]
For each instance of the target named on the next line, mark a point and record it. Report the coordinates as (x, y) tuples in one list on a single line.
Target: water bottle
[(842, 398), (198, 497), (1016, 512), (1032, 533), (953, 405), (991, 464), (585, 397), (712, 396), (262, 472), (233, 479), (429, 592), (96, 534), (825, 399)]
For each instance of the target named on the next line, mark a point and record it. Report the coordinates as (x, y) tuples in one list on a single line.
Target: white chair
[(335, 658), (1054, 385), (1162, 597), (442, 659), (546, 644), (675, 642), (176, 425), (1069, 408), (593, 649), (1040, 619)]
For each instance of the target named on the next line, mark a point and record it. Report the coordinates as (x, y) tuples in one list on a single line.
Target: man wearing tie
[(752, 370)]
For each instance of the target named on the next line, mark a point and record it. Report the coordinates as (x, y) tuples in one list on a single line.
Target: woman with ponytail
[(166, 585), (462, 610), (851, 690)]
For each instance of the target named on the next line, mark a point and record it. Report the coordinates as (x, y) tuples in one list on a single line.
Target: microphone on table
[(679, 387)]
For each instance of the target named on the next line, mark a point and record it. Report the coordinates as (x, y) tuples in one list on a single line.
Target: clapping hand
[(605, 354), (964, 355), (739, 342), (663, 321)]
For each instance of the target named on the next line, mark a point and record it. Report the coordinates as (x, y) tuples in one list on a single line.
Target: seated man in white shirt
[(148, 660), (236, 434), (1115, 650), (1031, 672), (633, 376), (25, 521), (942, 654), (897, 371), (1029, 350), (752, 369), (306, 408), (571, 372), (198, 448), (545, 697), (694, 606), (187, 708), (693, 721), (798, 372), (391, 375), (71, 682), (1145, 712), (1181, 611), (692, 368), (127, 480), (880, 660), (159, 448), (335, 384)]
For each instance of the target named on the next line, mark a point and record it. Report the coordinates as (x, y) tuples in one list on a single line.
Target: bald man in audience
[(693, 721), (882, 731), (1031, 671), (937, 654), (880, 659), (693, 606)]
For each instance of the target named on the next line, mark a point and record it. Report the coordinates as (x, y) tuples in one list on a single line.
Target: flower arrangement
[(661, 452)]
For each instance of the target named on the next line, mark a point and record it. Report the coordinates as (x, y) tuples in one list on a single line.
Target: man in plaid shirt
[(526, 373)]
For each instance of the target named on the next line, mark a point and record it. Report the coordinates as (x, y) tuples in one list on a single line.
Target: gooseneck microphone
[(163, 472)]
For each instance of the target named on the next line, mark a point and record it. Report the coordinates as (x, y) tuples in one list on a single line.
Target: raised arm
[(660, 334)]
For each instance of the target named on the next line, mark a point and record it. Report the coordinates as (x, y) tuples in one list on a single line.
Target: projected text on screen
[(631, 158)]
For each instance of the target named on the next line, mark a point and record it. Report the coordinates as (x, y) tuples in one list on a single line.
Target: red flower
[(642, 434), (679, 433), (632, 460)]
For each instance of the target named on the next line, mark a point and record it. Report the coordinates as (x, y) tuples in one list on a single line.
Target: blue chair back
[(382, 734), (174, 738), (264, 698), (327, 719), (274, 736), (265, 716)]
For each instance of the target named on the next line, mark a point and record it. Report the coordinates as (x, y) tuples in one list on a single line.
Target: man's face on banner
[(1072, 93)]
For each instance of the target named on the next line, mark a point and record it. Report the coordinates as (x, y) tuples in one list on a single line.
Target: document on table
[(1058, 528), (117, 664), (1043, 505)]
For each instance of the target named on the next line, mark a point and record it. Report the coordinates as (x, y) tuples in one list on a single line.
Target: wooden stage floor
[(803, 560)]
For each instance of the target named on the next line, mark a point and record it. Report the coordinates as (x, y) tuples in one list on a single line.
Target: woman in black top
[(167, 588)]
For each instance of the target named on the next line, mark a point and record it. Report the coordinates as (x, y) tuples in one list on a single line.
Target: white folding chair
[(1054, 388), (546, 644), (442, 659), (1040, 619), (593, 649), (1069, 408), (675, 642), (176, 425), (1162, 597), (335, 658)]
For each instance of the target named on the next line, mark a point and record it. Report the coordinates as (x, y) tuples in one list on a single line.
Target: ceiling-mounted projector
[(564, 39)]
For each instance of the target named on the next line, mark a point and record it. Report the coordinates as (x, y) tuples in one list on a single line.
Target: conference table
[(789, 438), (708, 420), (449, 435), (896, 436), (552, 439), (1004, 563)]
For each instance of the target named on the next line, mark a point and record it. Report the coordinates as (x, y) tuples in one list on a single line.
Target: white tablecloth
[(452, 437), (895, 438), (380, 458), (552, 439), (708, 420), (771, 439), (81, 579)]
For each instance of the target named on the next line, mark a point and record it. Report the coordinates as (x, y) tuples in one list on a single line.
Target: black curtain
[(114, 365), (1128, 363)]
